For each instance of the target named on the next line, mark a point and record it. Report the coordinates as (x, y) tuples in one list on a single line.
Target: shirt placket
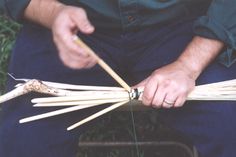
[(129, 14)]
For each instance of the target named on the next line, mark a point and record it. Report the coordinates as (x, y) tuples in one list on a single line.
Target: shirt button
[(130, 18)]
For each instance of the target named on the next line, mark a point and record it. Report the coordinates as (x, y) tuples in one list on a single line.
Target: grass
[(8, 30)]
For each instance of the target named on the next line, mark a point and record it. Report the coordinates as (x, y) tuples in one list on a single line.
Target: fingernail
[(89, 28)]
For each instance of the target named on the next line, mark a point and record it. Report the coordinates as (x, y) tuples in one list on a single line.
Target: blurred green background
[(8, 30)]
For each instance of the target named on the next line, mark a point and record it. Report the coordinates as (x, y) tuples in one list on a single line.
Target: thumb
[(141, 84)]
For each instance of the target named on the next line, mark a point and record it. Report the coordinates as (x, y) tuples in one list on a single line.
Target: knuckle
[(182, 90), (148, 96), (81, 13), (174, 83), (155, 74), (147, 99), (81, 10), (167, 82), (159, 77)]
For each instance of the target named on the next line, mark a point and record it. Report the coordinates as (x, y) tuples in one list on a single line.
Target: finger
[(63, 36), (141, 85), (159, 97), (73, 62), (149, 91), (65, 54), (68, 43), (82, 22), (171, 96), (170, 100), (182, 96), (91, 63), (179, 102), (76, 64)]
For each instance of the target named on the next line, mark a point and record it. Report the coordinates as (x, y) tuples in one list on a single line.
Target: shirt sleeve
[(14, 8), (220, 23)]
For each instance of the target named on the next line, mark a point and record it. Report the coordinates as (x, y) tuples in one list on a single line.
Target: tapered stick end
[(70, 128), (22, 121)]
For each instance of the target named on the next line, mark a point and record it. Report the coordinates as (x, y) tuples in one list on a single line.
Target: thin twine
[(134, 130)]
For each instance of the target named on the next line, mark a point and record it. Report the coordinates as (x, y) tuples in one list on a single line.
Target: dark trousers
[(134, 55)]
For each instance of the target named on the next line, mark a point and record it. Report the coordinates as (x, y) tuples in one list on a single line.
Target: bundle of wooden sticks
[(80, 97), (76, 96)]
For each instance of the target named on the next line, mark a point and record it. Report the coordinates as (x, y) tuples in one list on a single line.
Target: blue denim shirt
[(216, 17)]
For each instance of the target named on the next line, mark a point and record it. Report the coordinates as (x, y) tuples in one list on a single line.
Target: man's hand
[(68, 21), (170, 85), (64, 21)]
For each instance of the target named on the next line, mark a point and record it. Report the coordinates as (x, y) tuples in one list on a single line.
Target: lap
[(209, 124), (35, 56)]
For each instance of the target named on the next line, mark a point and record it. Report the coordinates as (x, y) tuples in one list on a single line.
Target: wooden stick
[(212, 95), (219, 84), (78, 87), (106, 67), (13, 94), (82, 96), (222, 91), (31, 85), (41, 87), (57, 112), (100, 113), (216, 91), (82, 87), (38, 86), (80, 103)]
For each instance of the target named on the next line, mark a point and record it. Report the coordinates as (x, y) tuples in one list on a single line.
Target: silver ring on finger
[(169, 103)]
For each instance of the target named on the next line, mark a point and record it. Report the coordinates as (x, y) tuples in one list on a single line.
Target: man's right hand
[(67, 23), (64, 21)]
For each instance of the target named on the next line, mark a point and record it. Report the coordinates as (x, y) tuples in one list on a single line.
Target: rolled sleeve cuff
[(207, 27), (15, 8)]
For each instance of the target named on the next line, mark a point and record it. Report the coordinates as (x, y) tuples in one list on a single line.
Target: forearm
[(198, 55), (42, 12)]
